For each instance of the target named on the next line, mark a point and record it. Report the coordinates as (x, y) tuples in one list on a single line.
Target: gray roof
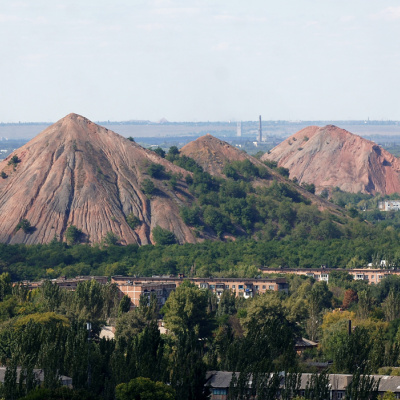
[(39, 376), (222, 379), (219, 379)]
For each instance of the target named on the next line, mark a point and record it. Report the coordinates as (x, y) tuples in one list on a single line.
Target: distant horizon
[(232, 121)]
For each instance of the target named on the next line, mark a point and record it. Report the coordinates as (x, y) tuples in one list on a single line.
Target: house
[(389, 205)]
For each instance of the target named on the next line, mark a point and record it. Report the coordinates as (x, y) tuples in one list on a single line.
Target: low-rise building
[(389, 205), (219, 382), (38, 376)]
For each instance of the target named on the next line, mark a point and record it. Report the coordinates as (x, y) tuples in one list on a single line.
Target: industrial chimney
[(259, 131)]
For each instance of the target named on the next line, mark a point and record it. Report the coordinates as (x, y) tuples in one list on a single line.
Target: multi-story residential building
[(134, 287), (67, 283), (322, 274)]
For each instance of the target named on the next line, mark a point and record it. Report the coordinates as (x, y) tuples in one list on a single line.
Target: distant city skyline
[(202, 60)]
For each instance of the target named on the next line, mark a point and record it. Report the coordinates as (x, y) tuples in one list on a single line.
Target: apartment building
[(134, 287), (371, 276)]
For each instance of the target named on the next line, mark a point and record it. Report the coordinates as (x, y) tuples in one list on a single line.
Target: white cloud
[(388, 14), (236, 18), (222, 46), (151, 27), (9, 18), (346, 18)]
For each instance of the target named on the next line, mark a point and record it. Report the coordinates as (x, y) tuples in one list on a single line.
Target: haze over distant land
[(203, 60), (279, 129)]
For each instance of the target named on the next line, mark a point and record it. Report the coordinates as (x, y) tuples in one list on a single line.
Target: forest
[(258, 226), (47, 328)]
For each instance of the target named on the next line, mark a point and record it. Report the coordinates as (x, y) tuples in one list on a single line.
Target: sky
[(199, 60)]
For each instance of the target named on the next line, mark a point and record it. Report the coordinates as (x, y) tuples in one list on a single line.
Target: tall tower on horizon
[(239, 129), (259, 140)]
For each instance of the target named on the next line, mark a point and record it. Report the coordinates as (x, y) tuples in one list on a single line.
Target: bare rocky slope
[(212, 154), (78, 173), (332, 157)]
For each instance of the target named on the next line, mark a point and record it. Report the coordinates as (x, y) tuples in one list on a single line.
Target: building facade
[(371, 276), (389, 205), (218, 383), (162, 286)]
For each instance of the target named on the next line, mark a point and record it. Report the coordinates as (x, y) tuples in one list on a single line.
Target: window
[(264, 287), (233, 286), (256, 287), (219, 391), (227, 286), (372, 276), (340, 395), (240, 287), (271, 287), (212, 286)]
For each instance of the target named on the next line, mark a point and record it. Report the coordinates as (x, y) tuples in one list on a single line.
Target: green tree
[(160, 152), (133, 221), (156, 171), (317, 387), (362, 386), (144, 389), (148, 186), (14, 160), (391, 306), (110, 239), (163, 236), (186, 310), (25, 225), (73, 235), (5, 285), (188, 370), (124, 305), (173, 153)]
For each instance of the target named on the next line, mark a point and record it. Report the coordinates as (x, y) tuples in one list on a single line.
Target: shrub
[(25, 225), (283, 171), (14, 160), (131, 139), (310, 187), (133, 221), (271, 164), (157, 171), (148, 186), (3, 175), (110, 238), (160, 152)]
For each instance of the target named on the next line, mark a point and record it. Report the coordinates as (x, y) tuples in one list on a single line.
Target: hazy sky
[(189, 60)]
